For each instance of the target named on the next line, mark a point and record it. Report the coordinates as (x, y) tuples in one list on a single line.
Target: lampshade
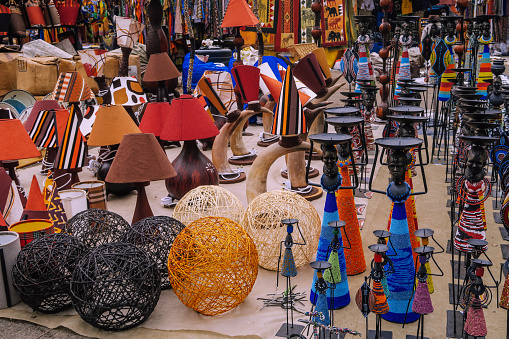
[(41, 105), (239, 14), (35, 207), (140, 158), (111, 124), (127, 91), (322, 60), (71, 87), (93, 61), (72, 151), (207, 90), (187, 120), (247, 79), (15, 143), (275, 87), (10, 203), (47, 126), (154, 116), (160, 68), (289, 118), (128, 31), (308, 71)]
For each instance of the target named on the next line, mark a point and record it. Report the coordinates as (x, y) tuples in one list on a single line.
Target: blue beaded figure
[(321, 289)]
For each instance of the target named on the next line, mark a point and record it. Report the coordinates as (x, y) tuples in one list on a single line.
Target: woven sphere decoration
[(262, 221), (208, 201), (155, 236), (115, 287), (212, 265), (96, 227), (43, 270)]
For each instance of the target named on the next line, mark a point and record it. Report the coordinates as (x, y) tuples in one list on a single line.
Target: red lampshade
[(187, 120), (308, 71), (154, 116), (248, 80), (41, 105), (35, 207), (239, 14), (15, 143)]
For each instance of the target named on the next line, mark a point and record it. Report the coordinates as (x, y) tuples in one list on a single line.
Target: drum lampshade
[(128, 31), (71, 87), (248, 80), (239, 14), (154, 116), (93, 61), (111, 124), (140, 158), (12, 133), (188, 120), (308, 72), (160, 68), (41, 105)]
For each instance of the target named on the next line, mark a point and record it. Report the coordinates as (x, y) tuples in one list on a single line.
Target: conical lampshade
[(239, 14), (322, 60), (35, 207), (41, 105), (308, 71), (207, 90), (154, 116), (188, 120), (71, 87), (247, 79), (275, 87), (140, 158), (160, 68), (289, 118), (15, 143), (93, 61), (128, 31), (111, 124), (47, 126)]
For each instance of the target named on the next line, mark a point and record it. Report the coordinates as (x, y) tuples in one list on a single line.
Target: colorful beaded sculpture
[(475, 325), (321, 300), (355, 260), (422, 299), (484, 63), (445, 85), (401, 283), (365, 69), (504, 297), (403, 72)]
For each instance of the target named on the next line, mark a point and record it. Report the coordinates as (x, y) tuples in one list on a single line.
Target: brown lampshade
[(40, 105), (111, 124), (160, 68), (154, 116), (140, 158), (239, 14), (308, 71), (322, 60), (188, 120), (15, 143)]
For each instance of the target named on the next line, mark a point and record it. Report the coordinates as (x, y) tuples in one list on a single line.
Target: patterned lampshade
[(275, 87), (71, 87), (248, 80), (289, 118), (128, 31), (93, 61), (127, 91), (40, 105)]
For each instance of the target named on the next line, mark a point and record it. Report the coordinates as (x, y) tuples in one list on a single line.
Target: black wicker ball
[(43, 270), (155, 235), (116, 286), (96, 227)]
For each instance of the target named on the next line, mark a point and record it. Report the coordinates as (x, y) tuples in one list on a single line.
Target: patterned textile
[(422, 299), (368, 129), (288, 268), (440, 58), (334, 23), (289, 118), (349, 65), (445, 86), (267, 12), (472, 225), (71, 87), (475, 325), (72, 152), (381, 306), (365, 72)]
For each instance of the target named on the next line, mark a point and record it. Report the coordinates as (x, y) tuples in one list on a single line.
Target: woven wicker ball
[(213, 265), (208, 201), (115, 287), (96, 227), (155, 235), (262, 221), (43, 270)]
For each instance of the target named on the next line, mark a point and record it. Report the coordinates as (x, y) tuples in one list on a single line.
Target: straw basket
[(299, 51)]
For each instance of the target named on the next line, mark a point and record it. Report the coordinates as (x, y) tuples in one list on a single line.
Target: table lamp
[(128, 32), (112, 122), (205, 86), (159, 69), (247, 79), (71, 88), (140, 160), (308, 71), (188, 121), (13, 133), (93, 61), (238, 14), (153, 117), (127, 91)]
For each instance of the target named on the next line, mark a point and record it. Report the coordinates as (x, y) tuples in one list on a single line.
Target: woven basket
[(299, 51)]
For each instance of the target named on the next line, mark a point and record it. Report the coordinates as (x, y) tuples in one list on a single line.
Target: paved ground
[(21, 329)]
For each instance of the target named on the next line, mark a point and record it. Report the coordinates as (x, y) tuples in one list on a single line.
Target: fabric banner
[(285, 35), (305, 21), (333, 23), (268, 11)]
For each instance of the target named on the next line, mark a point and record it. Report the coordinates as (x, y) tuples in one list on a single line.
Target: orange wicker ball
[(212, 266)]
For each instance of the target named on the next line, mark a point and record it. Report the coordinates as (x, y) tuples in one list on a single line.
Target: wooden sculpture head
[(476, 160)]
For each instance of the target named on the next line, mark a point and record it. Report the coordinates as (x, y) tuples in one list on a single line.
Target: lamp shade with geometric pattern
[(71, 87), (289, 118)]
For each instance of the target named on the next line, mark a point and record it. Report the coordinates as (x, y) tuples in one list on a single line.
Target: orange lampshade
[(71, 87), (160, 68), (308, 71), (188, 120), (275, 87), (15, 143), (239, 14), (322, 60), (154, 116), (140, 158), (110, 125), (35, 207), (248, 81), (207, 90)]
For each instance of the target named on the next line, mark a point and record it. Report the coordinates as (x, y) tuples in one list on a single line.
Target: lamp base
[(292, 330), (116, 189), (193, 169), (142, 209)]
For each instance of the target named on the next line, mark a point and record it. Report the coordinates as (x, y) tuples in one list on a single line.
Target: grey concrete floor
[(22, 329)]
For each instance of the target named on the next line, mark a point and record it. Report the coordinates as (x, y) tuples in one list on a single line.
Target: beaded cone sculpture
[(115, 287), (354, 256), (96, 227), (155, 235), (484, 66), (475, 325), (206, 201), (43, 270), (445, 86), (262, 221), (504, 297), (212, 265)]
